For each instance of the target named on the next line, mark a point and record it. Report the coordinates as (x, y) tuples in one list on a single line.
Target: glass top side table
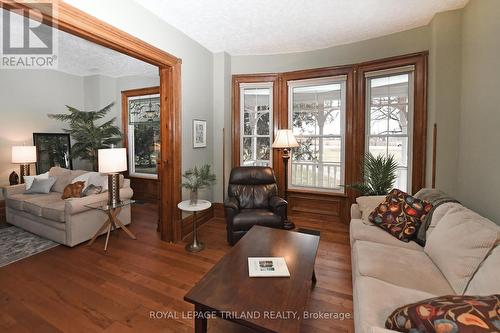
[(195, 246), (113, 221)]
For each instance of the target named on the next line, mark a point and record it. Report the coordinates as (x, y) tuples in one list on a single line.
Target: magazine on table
[(267, 267)]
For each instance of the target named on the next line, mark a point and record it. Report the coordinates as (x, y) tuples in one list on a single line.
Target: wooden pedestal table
[(201, 205), (113, 221)]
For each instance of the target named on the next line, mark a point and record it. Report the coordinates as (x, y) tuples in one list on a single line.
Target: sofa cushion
[(399, 266), (55, 211), (486, 281), (16, 201), (439, 212), (375, 300), (465, 314), (35, 205), (63, 178), (367, 205), (247, 218), (400, 214), (361, 231), (458, 245), (41, 186)]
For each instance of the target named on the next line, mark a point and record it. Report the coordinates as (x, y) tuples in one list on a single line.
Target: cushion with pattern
[(448, 314), (400, 214)]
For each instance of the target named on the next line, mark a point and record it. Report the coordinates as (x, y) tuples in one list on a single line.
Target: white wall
[(197, 67), (27, 96)]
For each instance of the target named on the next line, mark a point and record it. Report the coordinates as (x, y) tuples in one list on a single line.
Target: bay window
[(256, 114), (317, 117), (389, 114)]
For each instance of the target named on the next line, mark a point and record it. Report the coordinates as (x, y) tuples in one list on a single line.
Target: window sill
[(319, 192)]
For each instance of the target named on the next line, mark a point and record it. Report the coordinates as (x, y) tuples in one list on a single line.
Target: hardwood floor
[(83, 289)]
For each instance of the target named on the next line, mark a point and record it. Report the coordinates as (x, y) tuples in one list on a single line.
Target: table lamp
[(113, 161), (285, 140), (24, 155)]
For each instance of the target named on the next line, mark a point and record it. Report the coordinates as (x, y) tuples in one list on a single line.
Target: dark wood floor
[(83, 289)]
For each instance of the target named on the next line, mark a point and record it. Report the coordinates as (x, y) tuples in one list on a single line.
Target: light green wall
[(479, 154), (444, 98), (405, 42)]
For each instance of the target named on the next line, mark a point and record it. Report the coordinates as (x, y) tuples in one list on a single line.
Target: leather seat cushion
[(247, 218)]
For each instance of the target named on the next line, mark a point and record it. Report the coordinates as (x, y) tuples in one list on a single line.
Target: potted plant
[(89, 136), (379, 175), (197, 178)]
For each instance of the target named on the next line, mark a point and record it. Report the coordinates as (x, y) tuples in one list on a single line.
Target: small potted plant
[(197, 178)]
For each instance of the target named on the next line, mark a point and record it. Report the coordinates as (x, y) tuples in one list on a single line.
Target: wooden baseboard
[(201, 218)]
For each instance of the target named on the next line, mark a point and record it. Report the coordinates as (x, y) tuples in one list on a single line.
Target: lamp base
[(288, 225), (114, 189), (25, 171)]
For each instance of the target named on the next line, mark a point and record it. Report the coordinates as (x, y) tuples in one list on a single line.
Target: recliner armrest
[(278, 205), (231, 203)]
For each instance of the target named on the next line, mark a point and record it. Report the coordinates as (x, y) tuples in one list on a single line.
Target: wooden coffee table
[(277, 304)]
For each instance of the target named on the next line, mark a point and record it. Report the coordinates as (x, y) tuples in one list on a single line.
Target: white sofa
[(67, 222), (461, 256)]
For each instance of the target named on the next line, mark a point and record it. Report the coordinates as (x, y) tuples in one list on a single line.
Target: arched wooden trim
[(81, 24)]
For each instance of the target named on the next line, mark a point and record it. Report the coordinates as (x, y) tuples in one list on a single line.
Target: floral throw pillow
[(448, 314), (400, 214)]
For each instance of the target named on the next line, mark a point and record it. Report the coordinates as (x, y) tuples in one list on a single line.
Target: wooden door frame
[(81, 24)]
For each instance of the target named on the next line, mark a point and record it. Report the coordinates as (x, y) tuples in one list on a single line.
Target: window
[(317, 118), (256, 114), (389, 118), (143, 135)]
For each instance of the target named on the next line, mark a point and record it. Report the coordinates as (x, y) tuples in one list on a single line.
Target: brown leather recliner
[(252, 200)]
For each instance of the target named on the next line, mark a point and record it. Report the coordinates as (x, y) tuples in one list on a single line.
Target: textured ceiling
[(242, 27), (80, 57)]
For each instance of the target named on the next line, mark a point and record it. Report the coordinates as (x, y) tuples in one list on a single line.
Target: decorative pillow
[(28, 180), (400, 214), (448, 314), (42, 186), (367, 204), (91, 190), (73, 190)]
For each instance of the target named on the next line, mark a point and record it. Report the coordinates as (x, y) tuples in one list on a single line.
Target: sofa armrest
[(278, 205), (77, 205), (355, 212), (14, 189)]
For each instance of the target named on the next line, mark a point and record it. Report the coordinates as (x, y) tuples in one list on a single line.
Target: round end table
[(201, 205)]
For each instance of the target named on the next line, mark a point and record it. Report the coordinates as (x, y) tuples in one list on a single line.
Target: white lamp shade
[(112, 160), (285, 139), (23, 154)]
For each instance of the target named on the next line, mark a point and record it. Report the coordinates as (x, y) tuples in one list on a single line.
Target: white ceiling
[(80, 57), (244, 27)]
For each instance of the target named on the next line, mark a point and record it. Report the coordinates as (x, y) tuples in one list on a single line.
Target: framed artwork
[(199, 133), (52, 149)]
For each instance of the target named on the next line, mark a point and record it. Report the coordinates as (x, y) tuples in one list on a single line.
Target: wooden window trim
[(125, 116), (419, 60), (81, 24), (235, 123)]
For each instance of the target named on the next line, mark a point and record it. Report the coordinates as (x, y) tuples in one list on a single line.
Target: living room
[(259, 145)]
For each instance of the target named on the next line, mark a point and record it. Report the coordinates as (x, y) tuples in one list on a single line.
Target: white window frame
[(259, 85), (131, 143), (410, 70), (339, 79)]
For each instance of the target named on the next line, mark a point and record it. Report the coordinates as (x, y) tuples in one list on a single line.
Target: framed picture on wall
[(199, 133), (52, 149)]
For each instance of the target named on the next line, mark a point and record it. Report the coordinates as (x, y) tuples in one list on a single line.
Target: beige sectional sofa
[(69, 221), (461, 256)]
